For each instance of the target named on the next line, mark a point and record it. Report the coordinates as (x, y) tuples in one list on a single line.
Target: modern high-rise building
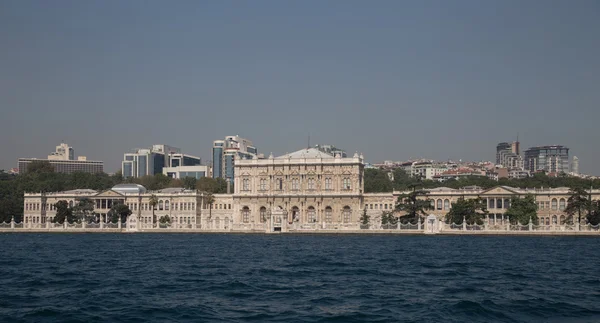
[(62, 152), (575, 165), (551, 159), (63, 160), (225, 152), (151, 161), (508, 155)]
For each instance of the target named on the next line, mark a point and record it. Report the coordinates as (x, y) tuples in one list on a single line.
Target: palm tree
[(153, 202), (209, 199), (578, 202)]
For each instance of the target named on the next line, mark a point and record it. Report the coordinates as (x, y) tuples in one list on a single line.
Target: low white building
[(197, 171)]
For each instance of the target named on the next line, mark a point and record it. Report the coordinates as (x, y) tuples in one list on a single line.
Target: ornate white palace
[(305, 190)]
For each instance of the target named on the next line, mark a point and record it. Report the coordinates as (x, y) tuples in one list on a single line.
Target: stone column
[(508, 223), (464, 227), (101, 222), (530, 224), (66, 223), (495, 219), (12, 222), (419, 223), (577, 225), (83, 222), (119, 224)]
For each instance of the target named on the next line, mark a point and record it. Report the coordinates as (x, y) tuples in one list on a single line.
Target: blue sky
[(392, 79)]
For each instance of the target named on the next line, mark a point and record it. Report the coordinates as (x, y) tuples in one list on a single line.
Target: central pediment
[(109, 193), (500, 190)]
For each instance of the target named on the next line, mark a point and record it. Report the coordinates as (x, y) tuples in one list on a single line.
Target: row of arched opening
[(296, 216)]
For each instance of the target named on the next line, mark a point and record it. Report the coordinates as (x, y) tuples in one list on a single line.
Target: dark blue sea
[(297, 278)]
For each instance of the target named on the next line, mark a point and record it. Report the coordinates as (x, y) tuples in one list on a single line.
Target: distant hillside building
[(63, 160)]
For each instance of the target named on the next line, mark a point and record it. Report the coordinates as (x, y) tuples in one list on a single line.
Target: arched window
[(167, 205), (328, 214), (312, 216), (263, 214), (439, 204), (295, 213), (554, 219), (347, 214), (554, 204), (446, 204), (561, 205), (498, 203), (246, 214), (160, 205), (562, 219), (548, 221)]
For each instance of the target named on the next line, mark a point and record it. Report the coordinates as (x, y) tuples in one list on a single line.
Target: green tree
[(189, 183), (578, 203), (83, 210), (119, 209), (594, 216), (63, 212), (377, 181), (165, 219), (40, 166), (364, 218), (153, 201), (414, 205), (471, 210), (522, 209)]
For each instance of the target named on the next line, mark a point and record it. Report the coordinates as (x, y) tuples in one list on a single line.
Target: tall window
[(312, 216), (439, 204), (446, 205), (263, 214), (328, 184), (245, 184), (311, 183), (491, 204), (346, 214), (498, 203), (561, 205), (246, 214), (167, 205), (328, 214), (346, 183), (295, 183), (160, 205), (263, 184), (280, 184), (554, 204)]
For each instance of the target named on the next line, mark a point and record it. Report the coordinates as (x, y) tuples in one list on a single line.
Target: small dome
[(129, 189)]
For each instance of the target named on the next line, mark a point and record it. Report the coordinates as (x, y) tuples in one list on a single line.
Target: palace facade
[(308, 189)]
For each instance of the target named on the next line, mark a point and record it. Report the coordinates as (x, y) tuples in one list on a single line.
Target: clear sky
[(392, 79)]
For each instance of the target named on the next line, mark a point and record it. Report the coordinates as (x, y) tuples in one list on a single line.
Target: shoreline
[(316, 232)]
